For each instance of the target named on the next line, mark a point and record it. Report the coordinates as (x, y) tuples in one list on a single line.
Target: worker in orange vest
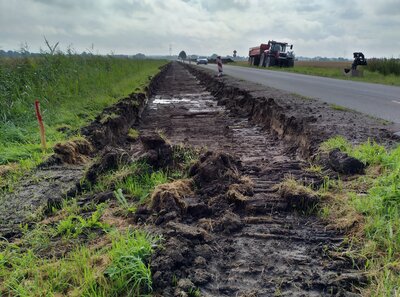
[(219, 64)]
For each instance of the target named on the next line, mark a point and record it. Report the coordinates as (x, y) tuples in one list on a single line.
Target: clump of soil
[(76, 152), (158, 153), (216, 172), (5, 169), (153, 150), (110, 159), (297, 196), (171, 197), (111, 127), (343, 163)]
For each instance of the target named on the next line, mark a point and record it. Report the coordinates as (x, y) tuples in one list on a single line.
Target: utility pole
[(170, 50)]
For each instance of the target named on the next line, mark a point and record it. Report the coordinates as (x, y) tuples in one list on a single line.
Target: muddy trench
[(227, 229), (263, 247)]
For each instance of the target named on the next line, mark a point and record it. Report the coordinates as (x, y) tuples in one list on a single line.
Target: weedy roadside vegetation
[(368, 206), (72, 89)]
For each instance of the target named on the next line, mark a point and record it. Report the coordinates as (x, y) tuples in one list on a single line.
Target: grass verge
[(369, 205), (333, 70)]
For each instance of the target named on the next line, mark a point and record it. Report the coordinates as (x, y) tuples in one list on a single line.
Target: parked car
[(202, 61)]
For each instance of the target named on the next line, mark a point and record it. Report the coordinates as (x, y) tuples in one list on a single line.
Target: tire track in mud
[(277, 252)]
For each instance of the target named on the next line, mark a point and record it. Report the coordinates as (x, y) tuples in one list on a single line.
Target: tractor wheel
[(290, 63), (270, 61), (262, 60)]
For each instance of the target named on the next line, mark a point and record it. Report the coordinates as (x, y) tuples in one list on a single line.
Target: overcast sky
[(330, 28)]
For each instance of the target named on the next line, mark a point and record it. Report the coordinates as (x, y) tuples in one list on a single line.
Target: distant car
[(202, 61)]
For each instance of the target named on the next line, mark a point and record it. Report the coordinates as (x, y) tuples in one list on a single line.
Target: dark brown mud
[(233, 233)]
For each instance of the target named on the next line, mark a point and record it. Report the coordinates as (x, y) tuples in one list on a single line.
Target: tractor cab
[(359, 60)]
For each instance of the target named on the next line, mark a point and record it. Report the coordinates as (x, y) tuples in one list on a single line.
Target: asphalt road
[(373, 99)]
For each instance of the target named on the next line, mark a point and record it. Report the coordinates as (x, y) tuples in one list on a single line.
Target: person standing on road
[(219, 64)]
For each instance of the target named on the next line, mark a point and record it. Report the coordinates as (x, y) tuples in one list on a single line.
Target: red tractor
[(272, 54)]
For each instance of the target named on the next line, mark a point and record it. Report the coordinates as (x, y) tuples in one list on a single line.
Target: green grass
[(339, 107), (335, 70), (137, 180), (72, 91), (379, 205), (140, 186), (74, 225), (119, 269)]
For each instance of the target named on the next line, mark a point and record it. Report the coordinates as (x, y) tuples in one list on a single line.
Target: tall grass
[(72, 90), (384, 66)]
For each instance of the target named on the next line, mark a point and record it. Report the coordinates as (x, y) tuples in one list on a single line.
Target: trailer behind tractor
[(273, 53)]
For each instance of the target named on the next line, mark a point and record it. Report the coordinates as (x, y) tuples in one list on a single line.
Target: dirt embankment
[(302, 122)]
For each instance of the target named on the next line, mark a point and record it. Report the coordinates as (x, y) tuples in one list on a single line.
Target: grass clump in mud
[(370, 203), (74, 225), (119, 267), (136, 180), (298, 196), (133, 134)]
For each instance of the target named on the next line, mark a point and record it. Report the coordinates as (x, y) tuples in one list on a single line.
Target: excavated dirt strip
[(277, 252)]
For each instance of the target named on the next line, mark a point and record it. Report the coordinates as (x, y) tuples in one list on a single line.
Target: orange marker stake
[(41, 126)]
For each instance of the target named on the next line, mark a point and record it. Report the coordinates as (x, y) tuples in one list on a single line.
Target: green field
[(72, 90), (381, 71)]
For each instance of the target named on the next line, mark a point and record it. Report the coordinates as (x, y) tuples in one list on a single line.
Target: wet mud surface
[(43, 188), (238, 236)]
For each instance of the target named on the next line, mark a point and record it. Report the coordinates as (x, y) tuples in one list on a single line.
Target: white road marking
[(394, 101)]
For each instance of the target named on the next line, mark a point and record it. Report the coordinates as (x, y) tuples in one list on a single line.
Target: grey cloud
[(214, 6), (307, 6), (203, 26), (70, 4), (388, 7), (132, 6)]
